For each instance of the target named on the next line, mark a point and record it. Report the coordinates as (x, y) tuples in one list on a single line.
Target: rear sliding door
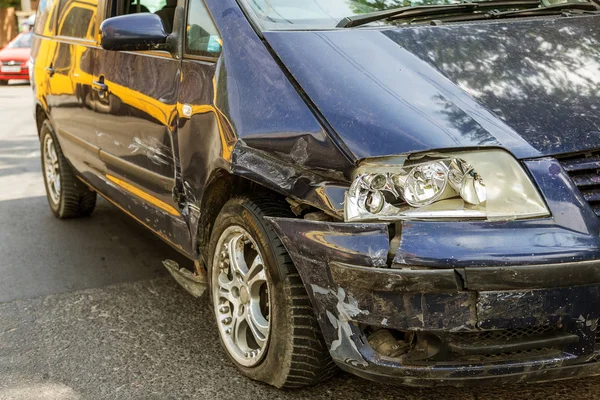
[(69, 67)]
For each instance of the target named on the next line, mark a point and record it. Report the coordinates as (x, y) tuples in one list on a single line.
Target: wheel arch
[(222, 187), (40, 116)]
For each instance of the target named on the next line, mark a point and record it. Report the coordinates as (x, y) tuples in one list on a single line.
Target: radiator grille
[(584, 170)]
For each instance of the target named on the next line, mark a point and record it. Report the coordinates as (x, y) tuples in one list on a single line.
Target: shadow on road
[(17, 156), (42, 255)]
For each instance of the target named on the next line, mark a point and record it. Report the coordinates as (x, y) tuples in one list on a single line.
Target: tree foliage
[(9, 3), (365, 6)]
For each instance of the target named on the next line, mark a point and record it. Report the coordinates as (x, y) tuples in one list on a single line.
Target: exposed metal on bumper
[(345, 269)]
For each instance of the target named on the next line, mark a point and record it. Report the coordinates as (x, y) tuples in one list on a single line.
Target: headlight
[(488, 184)]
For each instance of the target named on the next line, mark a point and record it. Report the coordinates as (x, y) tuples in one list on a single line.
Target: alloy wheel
[(241, 296), (51, 169)]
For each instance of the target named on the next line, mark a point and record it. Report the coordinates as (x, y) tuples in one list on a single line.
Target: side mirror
[(134, 32)]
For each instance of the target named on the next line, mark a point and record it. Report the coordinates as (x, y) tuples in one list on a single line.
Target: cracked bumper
[(344, 270)]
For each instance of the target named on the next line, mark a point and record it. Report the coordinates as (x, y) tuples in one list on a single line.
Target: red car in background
[(14, 58)]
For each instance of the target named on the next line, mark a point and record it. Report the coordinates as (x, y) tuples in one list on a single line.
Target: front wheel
[(265, 319)]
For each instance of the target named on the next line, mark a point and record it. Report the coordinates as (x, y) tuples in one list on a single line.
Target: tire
[(295, 354), (69, 198), (3, 83)]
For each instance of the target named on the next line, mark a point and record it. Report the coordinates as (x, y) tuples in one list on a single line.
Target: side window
[(76, 18), (202, 37), (138, 6), (44, 20), (165, 9)]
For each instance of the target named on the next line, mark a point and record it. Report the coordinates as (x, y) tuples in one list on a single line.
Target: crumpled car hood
[(529, 85)]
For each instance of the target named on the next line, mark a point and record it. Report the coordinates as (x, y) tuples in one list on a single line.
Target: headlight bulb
[(375, 202), (425, 184), (378, 182)]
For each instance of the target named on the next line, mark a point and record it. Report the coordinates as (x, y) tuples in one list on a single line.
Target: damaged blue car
[(407, 190)]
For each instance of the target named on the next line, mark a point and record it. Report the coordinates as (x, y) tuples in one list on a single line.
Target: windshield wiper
[(432, 10)]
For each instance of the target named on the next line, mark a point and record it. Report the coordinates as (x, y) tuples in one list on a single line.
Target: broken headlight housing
[(484, 184)]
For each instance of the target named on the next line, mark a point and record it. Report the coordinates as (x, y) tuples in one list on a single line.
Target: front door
[(135, 97)]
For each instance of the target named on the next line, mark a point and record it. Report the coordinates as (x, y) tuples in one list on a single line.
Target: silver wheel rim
[(51, 169), (241, 296)]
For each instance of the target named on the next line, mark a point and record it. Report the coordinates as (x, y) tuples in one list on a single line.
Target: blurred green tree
[(365, 6), (9, 3)]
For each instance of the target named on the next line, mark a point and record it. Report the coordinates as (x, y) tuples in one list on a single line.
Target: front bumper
[(483, 302), (23, 75)]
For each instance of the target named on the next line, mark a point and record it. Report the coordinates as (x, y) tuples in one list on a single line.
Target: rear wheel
[(265, 319), (67, 196), (3, 82)]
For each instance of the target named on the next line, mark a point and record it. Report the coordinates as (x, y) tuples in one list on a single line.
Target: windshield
[(21, 42), (326, 14)]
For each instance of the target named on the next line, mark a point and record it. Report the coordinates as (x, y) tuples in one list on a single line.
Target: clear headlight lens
[(487, 184)]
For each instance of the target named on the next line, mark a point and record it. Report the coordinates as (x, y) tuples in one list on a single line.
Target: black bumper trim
[(394, 280), (533, 276), (418, 279)]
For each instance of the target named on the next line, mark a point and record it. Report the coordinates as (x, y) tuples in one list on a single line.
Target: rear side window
[(165, 9), (202, 36), (76, 19), (138, 6), (44, 19)]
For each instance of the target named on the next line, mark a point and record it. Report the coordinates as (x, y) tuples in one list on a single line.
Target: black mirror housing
[(134, 32)]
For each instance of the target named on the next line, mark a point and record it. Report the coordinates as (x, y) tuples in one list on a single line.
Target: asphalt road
[(87, 311)]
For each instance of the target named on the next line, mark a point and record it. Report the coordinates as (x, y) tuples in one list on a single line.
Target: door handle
[(100, 87), (49, 70)]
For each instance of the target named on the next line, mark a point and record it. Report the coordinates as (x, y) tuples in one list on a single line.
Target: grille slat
[(584, 170), (591, 195), (586, 180), (581, 164)]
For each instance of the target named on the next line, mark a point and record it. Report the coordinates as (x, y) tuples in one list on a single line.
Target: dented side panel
[(246, 118), (135, 119)]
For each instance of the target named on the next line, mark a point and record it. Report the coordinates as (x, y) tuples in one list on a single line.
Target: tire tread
[(311, 362), (76, 199)]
